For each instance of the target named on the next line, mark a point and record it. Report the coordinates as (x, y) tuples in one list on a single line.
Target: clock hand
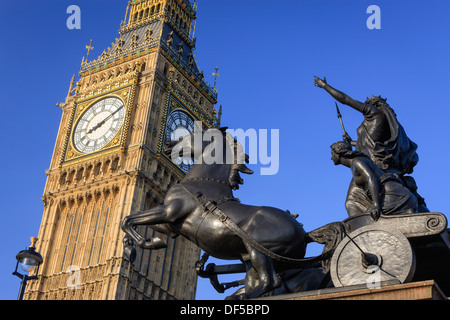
[(104, 121)]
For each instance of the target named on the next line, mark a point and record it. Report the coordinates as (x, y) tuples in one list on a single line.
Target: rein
[(213, 208)]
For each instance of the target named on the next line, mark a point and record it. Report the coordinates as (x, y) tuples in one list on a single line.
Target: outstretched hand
[(319, 82)]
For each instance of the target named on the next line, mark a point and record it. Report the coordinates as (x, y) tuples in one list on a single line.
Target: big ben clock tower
[(108, 161)]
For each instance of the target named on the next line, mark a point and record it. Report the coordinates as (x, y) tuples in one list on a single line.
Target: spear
[(340, 119)]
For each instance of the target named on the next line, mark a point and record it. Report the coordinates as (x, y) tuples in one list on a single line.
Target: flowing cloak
[(395, 152), (395, 198), (390, 151)]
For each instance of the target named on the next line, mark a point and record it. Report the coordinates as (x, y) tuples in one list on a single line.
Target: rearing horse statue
[(202, 209)]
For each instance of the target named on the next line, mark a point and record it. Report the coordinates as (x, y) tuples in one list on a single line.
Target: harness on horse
[(213, 208)]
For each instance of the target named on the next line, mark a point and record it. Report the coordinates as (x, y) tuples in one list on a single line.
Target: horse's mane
[(239, 160)]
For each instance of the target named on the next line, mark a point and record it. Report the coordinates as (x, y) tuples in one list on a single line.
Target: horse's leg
[(144, 218), (164, 214), (165, 229), (268, 279), (251, 282)]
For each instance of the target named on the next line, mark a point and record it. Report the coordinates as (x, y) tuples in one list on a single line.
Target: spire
[(180, 13), (145, 25), (71, 89), (152, 24)]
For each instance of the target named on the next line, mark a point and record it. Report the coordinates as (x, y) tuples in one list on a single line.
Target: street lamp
[(28, 259)]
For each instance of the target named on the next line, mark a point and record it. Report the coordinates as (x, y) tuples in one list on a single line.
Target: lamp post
[(27, 259)]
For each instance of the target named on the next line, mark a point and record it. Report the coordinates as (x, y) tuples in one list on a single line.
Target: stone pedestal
[(423, 290)]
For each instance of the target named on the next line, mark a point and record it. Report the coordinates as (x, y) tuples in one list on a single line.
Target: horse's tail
[(330, 235)]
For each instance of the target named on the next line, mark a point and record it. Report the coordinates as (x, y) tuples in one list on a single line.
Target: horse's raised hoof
[(154, 244)]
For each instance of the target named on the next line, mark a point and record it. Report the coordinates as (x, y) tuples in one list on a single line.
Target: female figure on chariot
[(383, 140)]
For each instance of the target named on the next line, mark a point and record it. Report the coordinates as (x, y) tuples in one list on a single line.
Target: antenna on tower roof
[(216, 74), (193, 29), (195, 22), (126, 14)]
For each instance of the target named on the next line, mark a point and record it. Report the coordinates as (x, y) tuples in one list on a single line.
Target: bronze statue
[(382, 199), (383, 140), (269, 242), (202, 208)]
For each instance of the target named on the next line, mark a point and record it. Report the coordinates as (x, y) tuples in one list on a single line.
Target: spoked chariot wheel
[(371, 255)]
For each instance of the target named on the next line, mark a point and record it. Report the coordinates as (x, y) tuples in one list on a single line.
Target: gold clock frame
[(178, 99), (70, 154), (173, 103)]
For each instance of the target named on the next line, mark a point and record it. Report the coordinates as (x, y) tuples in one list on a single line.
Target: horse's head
[(194, 144), (212, 147), (188, 146)]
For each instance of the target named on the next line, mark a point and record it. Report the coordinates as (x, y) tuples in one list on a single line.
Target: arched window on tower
[(88, 171), (101, 221), (70, 177), (80, 174), (115, 165), (63, 179), (105, 168), (72, 226), (97, 169)]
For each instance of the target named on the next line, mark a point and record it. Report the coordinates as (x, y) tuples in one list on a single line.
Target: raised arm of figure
[(338, 95)]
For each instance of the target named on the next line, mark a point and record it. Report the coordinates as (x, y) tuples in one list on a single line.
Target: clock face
[(99, 125), (179, 124)]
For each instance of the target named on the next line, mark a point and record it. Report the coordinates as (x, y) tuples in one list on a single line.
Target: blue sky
[(267, 53)]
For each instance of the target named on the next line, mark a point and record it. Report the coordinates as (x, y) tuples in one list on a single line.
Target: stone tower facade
[(108, 161)]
